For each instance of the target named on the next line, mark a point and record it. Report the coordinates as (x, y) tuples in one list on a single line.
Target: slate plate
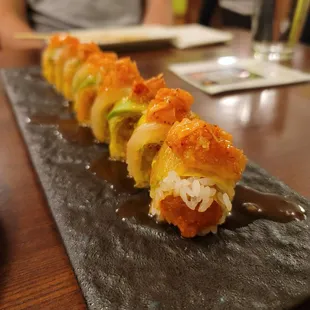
[(126, 265)]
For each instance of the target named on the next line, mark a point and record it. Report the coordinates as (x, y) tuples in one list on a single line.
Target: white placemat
[(192, 35)]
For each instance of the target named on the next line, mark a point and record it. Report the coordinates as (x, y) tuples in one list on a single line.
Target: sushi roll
[(84, 74), (193, 177), (72, 65), (115, 85), (50, 52), (168, 106), (68, 51), (126, 113), (86, 85)]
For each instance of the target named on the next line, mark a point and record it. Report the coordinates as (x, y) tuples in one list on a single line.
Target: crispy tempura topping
[(155, 84), (169, 106), (123, 74), (59, 40), (145, 91), (206, 147)]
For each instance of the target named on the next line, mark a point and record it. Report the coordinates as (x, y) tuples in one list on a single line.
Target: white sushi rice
[(195, 192)]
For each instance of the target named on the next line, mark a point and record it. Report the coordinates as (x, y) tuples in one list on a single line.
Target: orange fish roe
[(169, 106), (97, 57), (59, 40), (145, 91), (55, 41), (70, 49), (86, 49), (190, 222), (123, 74), (102, 66), (207, 148)]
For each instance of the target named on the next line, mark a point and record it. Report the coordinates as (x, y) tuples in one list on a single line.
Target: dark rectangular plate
[(127, 265)]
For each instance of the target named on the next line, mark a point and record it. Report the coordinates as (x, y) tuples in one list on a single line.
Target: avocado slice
[(89, 81), (125, 106)]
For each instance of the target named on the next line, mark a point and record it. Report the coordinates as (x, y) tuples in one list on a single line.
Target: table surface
[(271, 125)]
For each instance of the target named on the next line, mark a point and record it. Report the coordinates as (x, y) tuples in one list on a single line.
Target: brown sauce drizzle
[(114, 172), (249, 205), (74, 133), (67, 126)]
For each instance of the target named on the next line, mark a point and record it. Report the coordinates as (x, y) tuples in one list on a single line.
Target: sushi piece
[(84, 74), (168, 106), (85, 91), (73, 64), (115, 85), (51, 53), (193, 177), (69, 50), (126, 113)]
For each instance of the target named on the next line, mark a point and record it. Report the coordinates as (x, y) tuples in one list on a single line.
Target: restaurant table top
[(271, 125)]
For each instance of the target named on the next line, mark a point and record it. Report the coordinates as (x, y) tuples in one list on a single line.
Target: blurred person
[(208, 9), (58, 15), (238, 13)]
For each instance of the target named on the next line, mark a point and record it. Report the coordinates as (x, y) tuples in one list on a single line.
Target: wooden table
[(272, 126)]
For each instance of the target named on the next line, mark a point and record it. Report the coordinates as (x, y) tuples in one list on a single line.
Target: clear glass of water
[(277, 26)]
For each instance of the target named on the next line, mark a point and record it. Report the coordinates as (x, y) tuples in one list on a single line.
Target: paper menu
[(230, 73)]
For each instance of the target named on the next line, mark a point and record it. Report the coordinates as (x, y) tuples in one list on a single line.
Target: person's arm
[(158, 12), (13, 19)]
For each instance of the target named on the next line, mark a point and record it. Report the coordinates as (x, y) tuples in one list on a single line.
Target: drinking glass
[(277, 26)]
